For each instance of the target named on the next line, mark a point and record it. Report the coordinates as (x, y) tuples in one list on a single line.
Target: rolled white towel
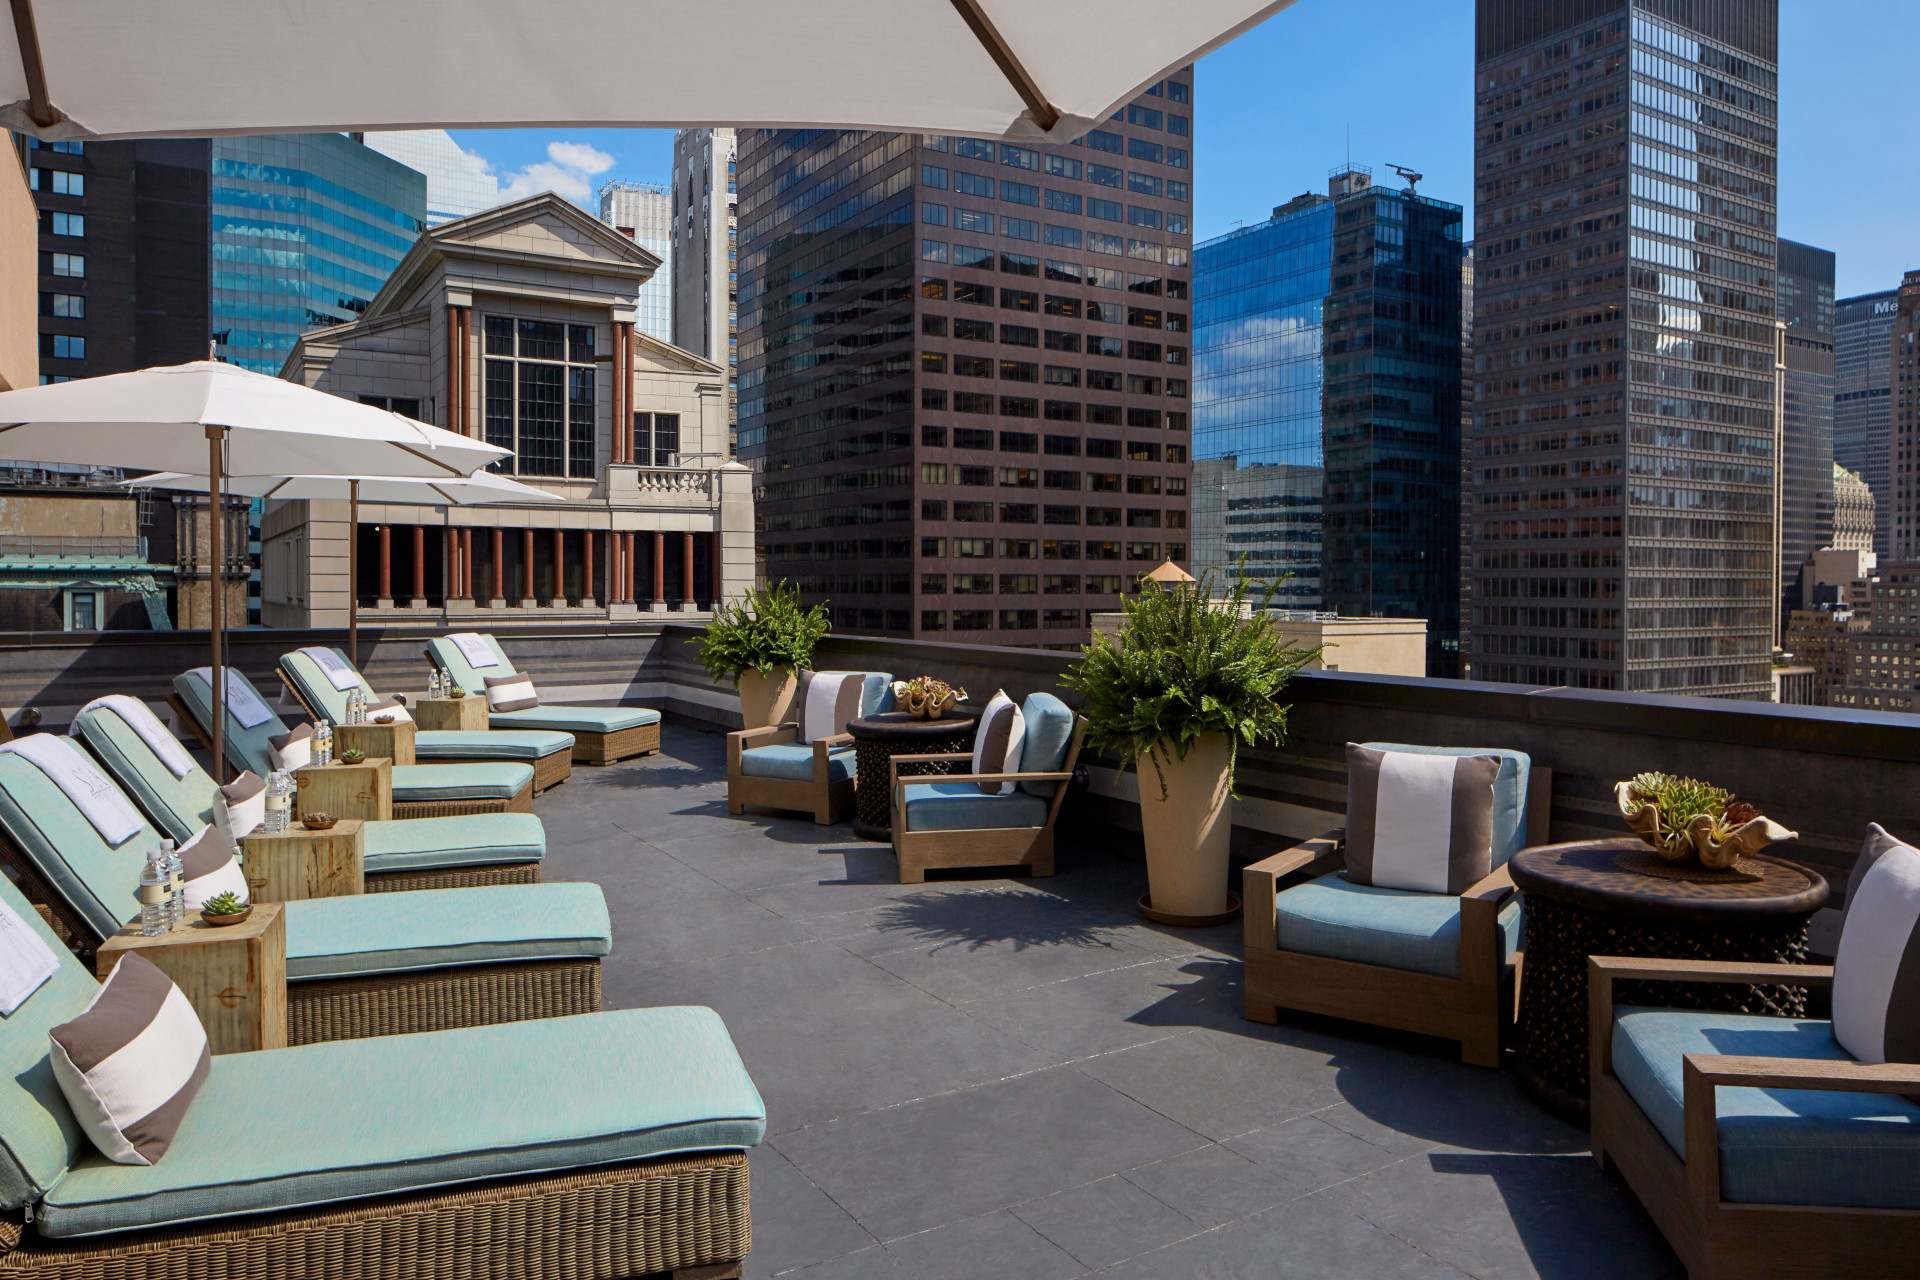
[(140, 718)]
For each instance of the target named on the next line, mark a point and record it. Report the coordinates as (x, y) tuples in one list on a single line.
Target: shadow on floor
[(991, 917), (1568, 1231)]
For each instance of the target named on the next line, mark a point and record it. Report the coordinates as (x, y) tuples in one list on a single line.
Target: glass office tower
[(1806, 416), (643, 212), (1327, 406), (1625, 432), (964, 370), (1862, 398), (306, 228)]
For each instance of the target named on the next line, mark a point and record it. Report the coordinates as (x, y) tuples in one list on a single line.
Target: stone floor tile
[(1105, 1222), (1128, 1005), (794, 1223), (1213, 1185), (1303, 1239), (1221, 1084), (994, 1247), (1312, 1153)]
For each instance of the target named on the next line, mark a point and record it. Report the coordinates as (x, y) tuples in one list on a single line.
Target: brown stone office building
[(965, 370)]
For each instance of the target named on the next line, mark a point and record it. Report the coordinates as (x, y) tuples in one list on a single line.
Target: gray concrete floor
[(1014, 1079)]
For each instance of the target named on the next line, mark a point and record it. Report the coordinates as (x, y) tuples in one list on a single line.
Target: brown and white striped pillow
[(208, 867), (1876, 970), (292, 749), (511, 693), (1418, 821), (827, 700), (131, 1064), (998, 742), (241, 806)]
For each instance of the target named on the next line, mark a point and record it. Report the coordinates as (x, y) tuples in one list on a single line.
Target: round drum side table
[(1617, 898), (878, 738)]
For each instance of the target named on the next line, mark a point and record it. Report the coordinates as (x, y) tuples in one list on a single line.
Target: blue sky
[(1273, 111)]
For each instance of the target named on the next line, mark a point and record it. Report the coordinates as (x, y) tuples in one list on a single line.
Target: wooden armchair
[(816, 777), (1402, 977), (1749, 1184), (946, 820)]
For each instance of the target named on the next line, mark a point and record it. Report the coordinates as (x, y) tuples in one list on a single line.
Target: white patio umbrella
[(482, 487), (227, 421), (190, 68)]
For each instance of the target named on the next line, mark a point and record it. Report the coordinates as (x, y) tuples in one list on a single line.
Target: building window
[(933, 619), (540, 396), (1062, 618), (83, 611), (1019, 192), (62, 346), (405, 406), (1109, 210), (69, 264), (657, 434), (60, 182), (1101, 140), (1141, 149), (66, 224), (68, 306)]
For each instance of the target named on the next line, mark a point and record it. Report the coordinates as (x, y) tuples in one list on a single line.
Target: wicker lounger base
[(522, 802), (684, 1215), (436, 999), (452, 877), (590, 747)]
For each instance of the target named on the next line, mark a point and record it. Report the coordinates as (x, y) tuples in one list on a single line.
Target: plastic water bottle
[(436, 683), (153, 896), (279, 803), (323, 743), (356, 707), (176, 885)]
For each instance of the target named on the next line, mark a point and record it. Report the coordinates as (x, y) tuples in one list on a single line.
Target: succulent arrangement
[(1686, 819), (386, 719), (456, 692), (352, 755), (925, 698), (318, 821), (224, 904)]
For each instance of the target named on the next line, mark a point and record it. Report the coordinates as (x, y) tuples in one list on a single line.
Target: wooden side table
[(1618, 898), (394, 741), (363, 790), (298, 863), (878, 738), (235, 976), (463, 715)]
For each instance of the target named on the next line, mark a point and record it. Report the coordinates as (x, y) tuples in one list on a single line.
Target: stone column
[(497, 599), (717, 567), (659, 603), (526, 568), (385, 600), (588, 598), (687, 603), (419, 597)]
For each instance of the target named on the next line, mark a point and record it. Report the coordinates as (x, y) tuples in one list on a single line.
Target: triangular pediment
[(548, 226)]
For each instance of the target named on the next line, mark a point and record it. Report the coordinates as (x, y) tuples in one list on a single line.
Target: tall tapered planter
[(1187, 832), (767, 699)]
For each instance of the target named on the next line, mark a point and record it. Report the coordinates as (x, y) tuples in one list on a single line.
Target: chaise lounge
[(601, 735), (316, 687), (419, 790)]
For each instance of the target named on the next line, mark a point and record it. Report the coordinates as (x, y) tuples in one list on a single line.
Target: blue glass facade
[(305, 230), (1327, 406)]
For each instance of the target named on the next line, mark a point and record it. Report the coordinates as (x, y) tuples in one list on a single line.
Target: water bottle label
[(153, 895)]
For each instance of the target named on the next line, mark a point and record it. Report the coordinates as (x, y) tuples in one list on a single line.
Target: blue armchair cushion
[(962, 806), (1392, 928), (792, 761), (1777, 1146), (1509, 792), (1049, 731), (442, 928), (450, 1107)]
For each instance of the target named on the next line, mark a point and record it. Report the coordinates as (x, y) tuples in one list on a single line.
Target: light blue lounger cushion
[(451, 1107), (98, 881), (1049, 730), (1777, 1146), (39, 1137), (428, 744), (1509, 792), (962, 806), (1394, 928), (181, 806), (448, 657), (441, 928), (249, 749), (794, 762)]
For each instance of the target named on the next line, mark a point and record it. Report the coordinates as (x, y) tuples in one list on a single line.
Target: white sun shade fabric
[(482, 487), (989, 67)]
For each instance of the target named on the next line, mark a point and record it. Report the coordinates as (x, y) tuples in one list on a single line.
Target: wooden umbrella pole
[(353, 572), (217, 612)]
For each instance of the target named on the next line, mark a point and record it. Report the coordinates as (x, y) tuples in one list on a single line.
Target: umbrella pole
[(353, 573), (216, 617)]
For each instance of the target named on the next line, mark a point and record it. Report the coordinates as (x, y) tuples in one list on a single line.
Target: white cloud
[(566, 171)]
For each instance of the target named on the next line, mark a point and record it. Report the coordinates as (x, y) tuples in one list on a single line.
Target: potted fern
[(1191, 680), (761, 642)]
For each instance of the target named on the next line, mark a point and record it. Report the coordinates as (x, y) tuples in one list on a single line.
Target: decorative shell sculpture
[(925, 698), (1685, 819)]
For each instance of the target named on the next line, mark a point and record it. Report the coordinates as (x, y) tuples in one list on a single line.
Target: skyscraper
[(1625, 432), (458, 181), (964, 369), (306, 228), (643, 212), (123, 254), (1862, 405), (1326, 405), (1903, 429), (1806, 423), (705, 276)]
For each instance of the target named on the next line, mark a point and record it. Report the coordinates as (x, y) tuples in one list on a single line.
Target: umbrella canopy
[(160, 419), (482, 487), (189, 69)]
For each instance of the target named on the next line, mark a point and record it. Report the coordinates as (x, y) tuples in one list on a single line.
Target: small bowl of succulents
[(225, 908), (352, 755)]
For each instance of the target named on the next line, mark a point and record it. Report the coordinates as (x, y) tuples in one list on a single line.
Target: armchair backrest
[(1049, 724), (826, 700), (1509, 791)]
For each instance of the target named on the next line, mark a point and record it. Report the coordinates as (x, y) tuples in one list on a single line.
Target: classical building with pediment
[(516, 326)]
